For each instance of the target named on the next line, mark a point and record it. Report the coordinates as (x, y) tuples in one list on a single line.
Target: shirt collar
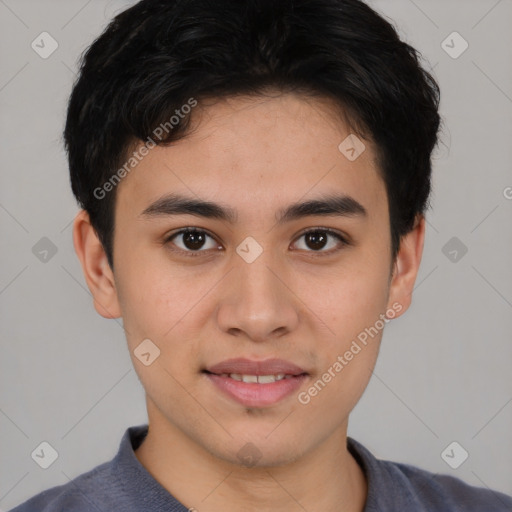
[(147, 494)]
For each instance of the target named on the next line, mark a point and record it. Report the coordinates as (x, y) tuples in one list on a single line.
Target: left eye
[(193, 240), (318, 239)]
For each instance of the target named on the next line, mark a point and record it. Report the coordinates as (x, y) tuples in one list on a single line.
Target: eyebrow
[(329, 205)]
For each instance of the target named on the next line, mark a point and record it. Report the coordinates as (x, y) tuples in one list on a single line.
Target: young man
[(253, 177)]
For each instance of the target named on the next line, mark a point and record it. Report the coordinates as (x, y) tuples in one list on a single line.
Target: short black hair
[(160, 55)]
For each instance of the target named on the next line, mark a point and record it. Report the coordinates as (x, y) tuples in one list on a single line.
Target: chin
[(259, 450)]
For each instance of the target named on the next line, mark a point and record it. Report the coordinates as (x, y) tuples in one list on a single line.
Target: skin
[(256, 155)]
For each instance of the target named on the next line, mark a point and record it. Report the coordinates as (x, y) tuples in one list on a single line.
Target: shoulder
[(446, 493), (82, 494), (396, 486)]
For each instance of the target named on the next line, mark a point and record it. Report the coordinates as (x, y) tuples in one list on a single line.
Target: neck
[(327, 478)]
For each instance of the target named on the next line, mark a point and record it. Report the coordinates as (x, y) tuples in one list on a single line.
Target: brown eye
[(197, 242), (317, 239), (192, 240)]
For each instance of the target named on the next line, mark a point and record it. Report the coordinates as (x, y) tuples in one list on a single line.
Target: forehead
[(258, 153)]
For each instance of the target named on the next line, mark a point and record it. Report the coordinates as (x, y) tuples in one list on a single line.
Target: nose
[(257, 302)]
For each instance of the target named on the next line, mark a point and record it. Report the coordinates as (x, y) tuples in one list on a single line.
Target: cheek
[(352, 310), (353, 298), (349, 356), (149, 301), (163, 304)]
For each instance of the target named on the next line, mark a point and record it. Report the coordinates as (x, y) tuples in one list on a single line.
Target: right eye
[(191, 241)]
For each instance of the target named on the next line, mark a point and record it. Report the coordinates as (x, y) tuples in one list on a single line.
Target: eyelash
[(328, 231)]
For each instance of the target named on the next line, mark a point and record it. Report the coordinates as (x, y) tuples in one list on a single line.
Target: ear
[(95, 266), (406, 266)]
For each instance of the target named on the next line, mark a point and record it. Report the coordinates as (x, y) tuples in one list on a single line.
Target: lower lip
[(257, 395)]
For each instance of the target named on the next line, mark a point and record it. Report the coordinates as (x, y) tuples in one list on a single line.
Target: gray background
[(444, 369)]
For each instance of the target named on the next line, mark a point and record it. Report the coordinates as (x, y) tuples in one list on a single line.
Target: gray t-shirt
[(123, 484)]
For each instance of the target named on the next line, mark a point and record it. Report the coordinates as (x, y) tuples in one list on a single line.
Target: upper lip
[(243, 366)]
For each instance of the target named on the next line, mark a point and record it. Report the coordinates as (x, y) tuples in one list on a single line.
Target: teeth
[(261, 379), (266, 379)]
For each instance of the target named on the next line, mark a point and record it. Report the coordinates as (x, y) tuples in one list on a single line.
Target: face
[(295, 301)]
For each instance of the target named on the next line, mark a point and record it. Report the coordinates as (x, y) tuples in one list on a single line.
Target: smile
[(260, 379)]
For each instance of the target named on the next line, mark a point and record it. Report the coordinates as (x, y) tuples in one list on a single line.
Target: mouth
[(255, 379), (256, 383)]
